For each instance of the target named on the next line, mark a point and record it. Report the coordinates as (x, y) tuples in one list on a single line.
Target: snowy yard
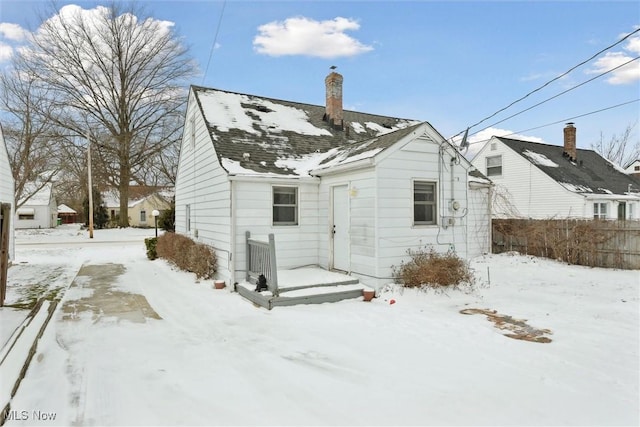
[(212, 358)]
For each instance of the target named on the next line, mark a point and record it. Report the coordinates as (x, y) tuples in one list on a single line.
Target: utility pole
[(90, 186)]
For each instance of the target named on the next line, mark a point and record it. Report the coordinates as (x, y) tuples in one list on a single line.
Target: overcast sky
[(453, 64)]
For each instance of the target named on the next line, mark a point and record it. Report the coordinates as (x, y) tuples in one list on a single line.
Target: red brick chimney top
[(333, 112), (570, 142)]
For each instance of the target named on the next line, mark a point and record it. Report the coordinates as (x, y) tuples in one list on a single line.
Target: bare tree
[(121, 77), (33, 140), (620, 149)]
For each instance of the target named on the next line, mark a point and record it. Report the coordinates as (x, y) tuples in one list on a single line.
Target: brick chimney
[(570, 142), (333, 112)]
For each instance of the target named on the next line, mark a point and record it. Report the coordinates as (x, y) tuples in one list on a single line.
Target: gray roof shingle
[(591, 173)]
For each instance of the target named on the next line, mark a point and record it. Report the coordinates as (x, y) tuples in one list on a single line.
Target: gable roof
[(289, 139), (590, 174), (39, 196)]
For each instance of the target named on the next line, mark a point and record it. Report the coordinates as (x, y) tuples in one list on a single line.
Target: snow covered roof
[(590, 174), (64, 209), (42, 196), (254, 135)]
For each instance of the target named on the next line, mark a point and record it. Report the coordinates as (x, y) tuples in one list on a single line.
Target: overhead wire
[(559, 94), (550, 81), (563, 120), (215, 41)]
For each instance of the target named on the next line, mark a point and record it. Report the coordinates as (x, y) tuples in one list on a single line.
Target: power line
[(559, 94), (215, 40), (568, 119), (551, 81)]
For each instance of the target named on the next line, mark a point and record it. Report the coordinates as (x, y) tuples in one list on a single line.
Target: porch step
[(305, 286)]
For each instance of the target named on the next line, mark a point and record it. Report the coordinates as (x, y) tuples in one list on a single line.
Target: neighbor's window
[(26, 216), (494, 166), (188, 217), (143, 216), (599, 211), (424, 203), (285, 206), (636, 168)]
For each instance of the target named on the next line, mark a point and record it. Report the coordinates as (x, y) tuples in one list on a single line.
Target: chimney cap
[(333, 67), (569, 123)]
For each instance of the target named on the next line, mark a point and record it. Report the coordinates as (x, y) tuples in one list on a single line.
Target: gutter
[(358, 164)]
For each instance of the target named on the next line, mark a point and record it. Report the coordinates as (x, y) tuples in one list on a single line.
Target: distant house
[(7, 194), (540, 181), (67, 215), (633, 168), (143, 201), (342, 190), (40, 210)]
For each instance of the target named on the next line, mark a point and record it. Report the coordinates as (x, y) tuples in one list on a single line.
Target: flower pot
[(219, 284), (368, 294)]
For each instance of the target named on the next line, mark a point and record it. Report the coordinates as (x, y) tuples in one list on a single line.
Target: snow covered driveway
[(211, 358)]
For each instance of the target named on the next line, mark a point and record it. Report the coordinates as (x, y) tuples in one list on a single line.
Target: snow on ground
[(215, 359)]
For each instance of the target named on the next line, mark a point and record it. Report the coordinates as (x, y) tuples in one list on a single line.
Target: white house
[(40, 210), (633, 168), (542, 181), (7, 190), (342, 190)]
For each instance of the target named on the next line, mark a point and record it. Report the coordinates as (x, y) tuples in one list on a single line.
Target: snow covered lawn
[(214, 359)]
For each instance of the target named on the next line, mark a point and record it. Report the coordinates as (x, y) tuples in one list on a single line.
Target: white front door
[(340, 228)]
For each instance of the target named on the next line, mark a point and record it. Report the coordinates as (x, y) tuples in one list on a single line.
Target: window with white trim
[(26, 216), (600, 210), (143, 216), (424, 203), (494, 165), (188, 217), (285, 206)]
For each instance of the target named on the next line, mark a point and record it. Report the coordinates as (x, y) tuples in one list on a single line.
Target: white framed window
[(143, 216), (188, 217), (285, 206), (425, 207), (600, 210), (26, 216), (630, 208), (494, 165)]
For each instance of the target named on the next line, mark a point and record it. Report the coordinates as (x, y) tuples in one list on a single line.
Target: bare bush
[(187, 254), (432, 269)]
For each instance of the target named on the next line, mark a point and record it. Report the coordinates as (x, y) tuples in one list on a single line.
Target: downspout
[(232, 240), (490, 213)]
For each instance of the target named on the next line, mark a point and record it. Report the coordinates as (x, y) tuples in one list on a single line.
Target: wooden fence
[(595, 243)]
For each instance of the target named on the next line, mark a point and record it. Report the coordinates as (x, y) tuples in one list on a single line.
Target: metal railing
[(261, 259)]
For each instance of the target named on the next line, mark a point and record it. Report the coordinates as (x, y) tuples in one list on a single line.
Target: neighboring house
[(38, 211), (633, 168), (143, 201), (342, 190), (140, 211), (67, 215), (541, 181), (7, 194)]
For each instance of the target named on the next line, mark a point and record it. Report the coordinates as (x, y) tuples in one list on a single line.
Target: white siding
[(523, 190), (362, 219), (7, 190), (203, 184), (296, 245), (418, 161)]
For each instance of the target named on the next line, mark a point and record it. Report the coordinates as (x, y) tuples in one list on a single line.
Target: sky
[(138, 342), (455, 64)]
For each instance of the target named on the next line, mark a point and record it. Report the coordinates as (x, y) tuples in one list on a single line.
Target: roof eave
[(344, 167)]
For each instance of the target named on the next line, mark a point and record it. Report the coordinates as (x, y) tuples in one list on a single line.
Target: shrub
[(432, 269), (167, 220), (187, 254), (151, 244)]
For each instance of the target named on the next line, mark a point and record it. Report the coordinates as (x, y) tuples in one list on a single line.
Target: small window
[(285, 206), (424, 203), (188, 217), (494, 146), (494, 166), (143, 216), (599, 211), (26, 216), (636, 168)]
